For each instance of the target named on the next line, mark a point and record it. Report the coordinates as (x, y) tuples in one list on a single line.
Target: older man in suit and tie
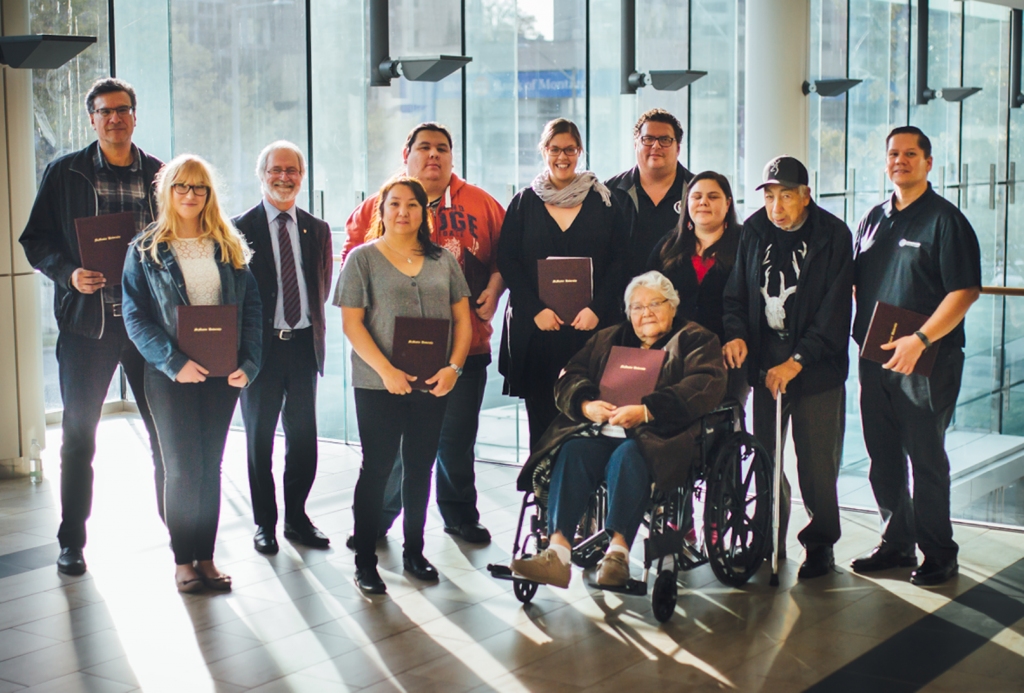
[(292, 263)]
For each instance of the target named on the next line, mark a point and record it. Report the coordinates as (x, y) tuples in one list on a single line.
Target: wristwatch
[(798, 358), (457, 369)]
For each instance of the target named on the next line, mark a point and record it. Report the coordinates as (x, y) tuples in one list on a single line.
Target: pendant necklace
[(407, 258)]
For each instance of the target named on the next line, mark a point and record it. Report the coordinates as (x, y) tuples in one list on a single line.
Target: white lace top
[(197, 258)]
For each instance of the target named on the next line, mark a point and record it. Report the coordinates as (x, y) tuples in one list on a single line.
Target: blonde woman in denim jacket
[(191, 255)]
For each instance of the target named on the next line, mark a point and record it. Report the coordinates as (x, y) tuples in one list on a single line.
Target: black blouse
[(699, 301), (529, 233)]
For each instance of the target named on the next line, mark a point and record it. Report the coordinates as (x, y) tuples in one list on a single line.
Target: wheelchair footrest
[(634, 588), (501, 572)]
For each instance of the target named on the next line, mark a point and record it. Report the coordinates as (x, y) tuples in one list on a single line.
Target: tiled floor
[(295, 622)]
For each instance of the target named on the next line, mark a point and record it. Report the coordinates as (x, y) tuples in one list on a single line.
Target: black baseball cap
[(785, 171)]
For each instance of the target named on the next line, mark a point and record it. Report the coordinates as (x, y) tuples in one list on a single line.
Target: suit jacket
[(317, 266)]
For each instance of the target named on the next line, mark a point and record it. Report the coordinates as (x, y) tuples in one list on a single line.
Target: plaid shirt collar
[(100, 162)]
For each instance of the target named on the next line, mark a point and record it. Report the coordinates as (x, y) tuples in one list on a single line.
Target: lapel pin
[(303, 230)]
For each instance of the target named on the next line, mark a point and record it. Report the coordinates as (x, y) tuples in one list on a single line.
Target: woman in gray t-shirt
[(399, 272)]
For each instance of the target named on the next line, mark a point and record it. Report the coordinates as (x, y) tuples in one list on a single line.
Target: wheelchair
[(722, 516)]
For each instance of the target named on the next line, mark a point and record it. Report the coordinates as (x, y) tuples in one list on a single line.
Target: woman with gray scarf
[(564, 213)]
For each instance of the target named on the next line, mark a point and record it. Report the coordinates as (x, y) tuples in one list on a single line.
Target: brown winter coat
[(691, 384)]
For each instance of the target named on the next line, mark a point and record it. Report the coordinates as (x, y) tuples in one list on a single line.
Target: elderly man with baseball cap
[(788, 305)]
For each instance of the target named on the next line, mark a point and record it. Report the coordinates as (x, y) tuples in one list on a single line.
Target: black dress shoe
[(368, 580), (934, 571), (307, 535), (472, 532), (884, 557), (71, 561), (820, 561), (265, 541), (419, 567)]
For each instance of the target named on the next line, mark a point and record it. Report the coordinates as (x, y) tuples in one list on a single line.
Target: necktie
[(289, 282)]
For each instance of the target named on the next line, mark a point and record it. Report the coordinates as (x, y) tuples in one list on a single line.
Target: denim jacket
[(152, 293)]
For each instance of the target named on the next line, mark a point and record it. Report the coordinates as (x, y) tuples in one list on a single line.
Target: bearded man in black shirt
[(787, 310), (916, 251)]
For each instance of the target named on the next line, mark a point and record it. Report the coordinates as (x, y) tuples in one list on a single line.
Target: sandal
[(218, 583), (190, 585)]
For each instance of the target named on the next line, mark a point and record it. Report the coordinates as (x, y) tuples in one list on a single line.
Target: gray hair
[(261, 160), (655, 281)]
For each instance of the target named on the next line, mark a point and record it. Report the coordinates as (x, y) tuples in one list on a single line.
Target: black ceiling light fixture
[(1016, 97), (420, 68), (41, 52), (662, 80), (830, 87), (924, 93)]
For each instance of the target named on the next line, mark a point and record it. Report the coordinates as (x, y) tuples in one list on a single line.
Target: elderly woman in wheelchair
[(628, 447)]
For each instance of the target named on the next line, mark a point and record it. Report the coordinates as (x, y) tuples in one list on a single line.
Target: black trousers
[(85, 367), (819, 423), (192, 421), (388, 423), (285, 388), (456, 457), (907, 416), (541, 411)]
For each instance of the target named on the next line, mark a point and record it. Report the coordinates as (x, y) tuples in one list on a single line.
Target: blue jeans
[(456, 480), (582, 464)]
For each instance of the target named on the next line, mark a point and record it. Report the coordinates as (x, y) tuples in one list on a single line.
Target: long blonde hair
[(190, 169)]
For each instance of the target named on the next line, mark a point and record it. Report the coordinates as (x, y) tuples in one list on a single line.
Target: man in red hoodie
[(466, 221)]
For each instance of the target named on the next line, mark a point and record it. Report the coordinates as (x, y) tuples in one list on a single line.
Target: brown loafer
[(613, 570), (545, 568)]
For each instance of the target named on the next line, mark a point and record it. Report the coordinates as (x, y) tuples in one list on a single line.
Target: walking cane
[(777, 491)]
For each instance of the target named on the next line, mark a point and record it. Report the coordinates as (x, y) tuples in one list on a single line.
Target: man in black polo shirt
[(916, 251), (787, 311), (649, 196)]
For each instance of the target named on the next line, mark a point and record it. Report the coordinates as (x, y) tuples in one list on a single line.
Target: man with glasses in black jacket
[(109, 176)]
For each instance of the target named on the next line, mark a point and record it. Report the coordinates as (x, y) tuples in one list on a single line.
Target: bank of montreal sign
[(549, 84)]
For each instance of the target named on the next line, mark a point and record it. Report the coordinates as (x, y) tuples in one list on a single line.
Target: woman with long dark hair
[(399, 272), (190, 256), (698, 255), (567, 213)]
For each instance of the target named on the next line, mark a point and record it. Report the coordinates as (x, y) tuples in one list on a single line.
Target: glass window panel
[(828, 114), (939, 119), (986, 65), (144, 61), (238, 82), (491, 160), (611, 134), (878, 55), (391, 112), (664, 44), (715, 134), (61, 127)]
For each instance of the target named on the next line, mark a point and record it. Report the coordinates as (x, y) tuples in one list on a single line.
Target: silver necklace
[(407, 258)]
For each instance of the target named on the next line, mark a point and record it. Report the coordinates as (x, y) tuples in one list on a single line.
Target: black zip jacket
[(67, 192), (820, 322)]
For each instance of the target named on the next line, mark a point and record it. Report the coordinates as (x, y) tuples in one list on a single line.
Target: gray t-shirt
[(369, 281)]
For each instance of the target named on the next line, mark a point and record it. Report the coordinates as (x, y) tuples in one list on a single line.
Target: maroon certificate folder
[(420, 348), (103, 243), (566, 285), (477, 276), (209, 336), (630, 374), (889, 323)]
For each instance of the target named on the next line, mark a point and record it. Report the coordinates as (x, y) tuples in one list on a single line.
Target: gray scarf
[(571, 195)]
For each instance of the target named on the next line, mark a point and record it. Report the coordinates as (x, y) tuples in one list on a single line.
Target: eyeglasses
[(199, 190), (121, 111), (568, 151), (290, 172), (649, 140), (653, 306)]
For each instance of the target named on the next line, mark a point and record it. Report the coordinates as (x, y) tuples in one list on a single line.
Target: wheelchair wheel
[(738, 511), (524, 590), (663, 598)]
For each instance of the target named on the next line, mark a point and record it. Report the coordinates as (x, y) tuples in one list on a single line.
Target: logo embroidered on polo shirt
[(678, 207)]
